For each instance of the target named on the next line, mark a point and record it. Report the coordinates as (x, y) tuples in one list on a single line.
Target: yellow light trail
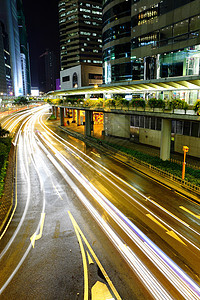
[(190, 212)]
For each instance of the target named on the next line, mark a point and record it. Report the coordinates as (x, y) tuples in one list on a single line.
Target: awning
[(167, 84)]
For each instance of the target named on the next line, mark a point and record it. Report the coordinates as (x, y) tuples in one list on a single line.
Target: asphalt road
[(88, 227)]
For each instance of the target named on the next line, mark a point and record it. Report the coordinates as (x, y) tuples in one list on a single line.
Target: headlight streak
[(151, 283), (64, 142), (163, 262), (26, 173), (140, 204), (28, 131), (25, 209)]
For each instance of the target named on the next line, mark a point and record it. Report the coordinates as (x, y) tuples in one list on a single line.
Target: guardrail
[(184, 183), (188, 164)]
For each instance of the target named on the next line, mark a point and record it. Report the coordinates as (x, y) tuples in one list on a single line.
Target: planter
[(157, 110), (179, 111)]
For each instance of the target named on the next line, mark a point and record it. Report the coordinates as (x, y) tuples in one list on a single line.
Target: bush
[(110, 102), (178, 104), (156, 103), (138, 103), (20, 101), (52, 117), (197, 106), (5, 145), (191, 175)]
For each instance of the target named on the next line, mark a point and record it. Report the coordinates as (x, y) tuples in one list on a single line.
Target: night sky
[(43, 31)]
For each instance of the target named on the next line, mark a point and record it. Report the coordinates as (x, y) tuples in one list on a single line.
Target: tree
[(3, 131), (21, 101)]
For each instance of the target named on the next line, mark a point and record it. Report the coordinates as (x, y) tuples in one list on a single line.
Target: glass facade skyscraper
[(5, 67), (11, 15), (150, 39), (24, 49)]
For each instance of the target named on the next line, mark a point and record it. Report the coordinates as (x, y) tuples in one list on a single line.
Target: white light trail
[(182, 282), (64, 143)]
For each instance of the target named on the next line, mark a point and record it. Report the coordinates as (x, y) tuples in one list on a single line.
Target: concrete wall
[(69, 72), (150, 137), (192, 142), (82, 72), (85, 75), (117, 125)]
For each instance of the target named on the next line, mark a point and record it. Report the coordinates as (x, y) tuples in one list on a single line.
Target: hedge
[(191, 175), (5, 145)]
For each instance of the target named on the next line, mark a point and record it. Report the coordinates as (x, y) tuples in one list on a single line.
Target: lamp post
[(185, 150)]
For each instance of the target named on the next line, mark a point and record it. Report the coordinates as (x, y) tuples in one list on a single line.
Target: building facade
[(80, 25), (8, 15), (150, 39), (5, 67), (116, 40), (47, 71), (24, 50)]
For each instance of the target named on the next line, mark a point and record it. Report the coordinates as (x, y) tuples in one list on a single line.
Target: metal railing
[(105, 107), (188, 164), (184, 183)]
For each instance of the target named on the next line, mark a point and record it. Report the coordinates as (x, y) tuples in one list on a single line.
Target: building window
[(75, 80), (186, 128), (95, 76), (65, 78), (195, 129)]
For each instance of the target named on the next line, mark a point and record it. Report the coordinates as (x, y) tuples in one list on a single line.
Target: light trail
[(23, 144), (150, 282), (182, 282), (64, 143)]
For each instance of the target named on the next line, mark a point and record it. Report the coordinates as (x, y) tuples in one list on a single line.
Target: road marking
[(57, 192), (161, 207), (35, 236), (170, 232), (85, 268), (89, 259), (182, 195), (117, 297), (190, 212), (100, 291), (98, 155)]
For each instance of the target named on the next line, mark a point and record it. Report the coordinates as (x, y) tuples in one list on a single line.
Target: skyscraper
[(8, 14), (47, 71), (24, 49), (162, 40), (12, 16), (116, 38), (80, 24), (5, 68)]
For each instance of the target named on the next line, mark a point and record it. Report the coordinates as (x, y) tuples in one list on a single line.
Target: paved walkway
[(130, 144)]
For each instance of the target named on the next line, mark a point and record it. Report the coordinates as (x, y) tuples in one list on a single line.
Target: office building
[(161, 41), (5, 67), (116, 39), (47, 71), (8, 15), (80, 25), (24, 50)]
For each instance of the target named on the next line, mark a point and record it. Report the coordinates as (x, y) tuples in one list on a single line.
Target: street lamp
[(185, 150)]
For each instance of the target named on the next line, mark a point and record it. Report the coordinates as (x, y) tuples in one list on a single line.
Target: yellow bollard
[(185, 150)]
